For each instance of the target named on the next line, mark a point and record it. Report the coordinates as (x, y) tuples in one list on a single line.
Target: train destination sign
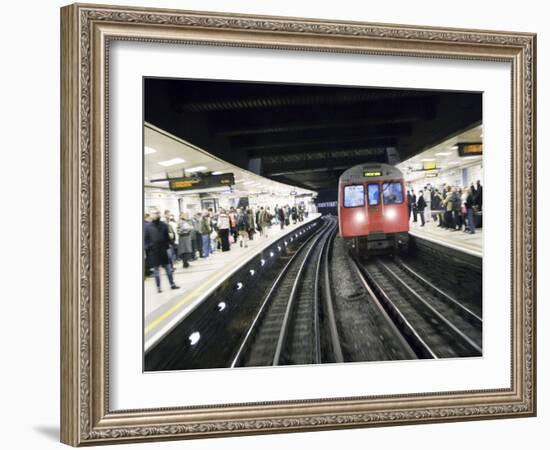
[(205, 181), (372, 173), (470, 149)]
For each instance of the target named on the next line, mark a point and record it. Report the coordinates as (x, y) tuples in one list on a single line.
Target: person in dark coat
[(478, 196), (157, 242), (281, 215), (469, 205), (413, 205), (420, 206)]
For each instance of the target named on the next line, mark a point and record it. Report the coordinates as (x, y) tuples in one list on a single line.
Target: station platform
[(162, 311), (471, 244)]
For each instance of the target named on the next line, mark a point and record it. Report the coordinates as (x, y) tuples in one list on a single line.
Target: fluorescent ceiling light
[(196, 169), (248, 182), (472, 157), (453, 162), (172, 162), (454, 147), (443, 154), (427, 159), (217, 172), (149, 150)]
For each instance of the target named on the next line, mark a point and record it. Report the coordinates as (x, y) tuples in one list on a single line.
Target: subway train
[(373, 216)]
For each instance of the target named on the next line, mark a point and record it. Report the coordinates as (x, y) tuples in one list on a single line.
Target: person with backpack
[(242, 227)]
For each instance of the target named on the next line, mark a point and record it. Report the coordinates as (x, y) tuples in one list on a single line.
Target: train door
[(374, 205)]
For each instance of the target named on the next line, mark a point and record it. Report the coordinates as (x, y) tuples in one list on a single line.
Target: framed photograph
[(276, 224)]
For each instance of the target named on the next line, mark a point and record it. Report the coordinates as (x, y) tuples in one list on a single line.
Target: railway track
[(286, 329), (434, 323)]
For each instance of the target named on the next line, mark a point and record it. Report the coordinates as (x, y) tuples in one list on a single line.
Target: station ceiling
[(306, 135)]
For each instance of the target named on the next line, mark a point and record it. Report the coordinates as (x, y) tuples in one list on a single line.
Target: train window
[(373, 192), (392, 193), (354, 195)]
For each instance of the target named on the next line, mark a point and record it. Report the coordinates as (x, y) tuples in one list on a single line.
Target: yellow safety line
[(192, 294), (182, 302)]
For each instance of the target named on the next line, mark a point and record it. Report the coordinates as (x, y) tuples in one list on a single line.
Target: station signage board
[(202, 182), (429, 165), (372, 173), (470, 149)]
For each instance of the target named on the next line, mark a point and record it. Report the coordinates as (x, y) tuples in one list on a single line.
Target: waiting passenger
[(185, 235), (436, 207), (457, 209), (224, 227), (469, 205), (251, 223), (264, 220), (281, 216), (413, 205), (448, 206), (420, 206), (205, 229), (478, 196), (157, 242), (242, 226), (233, 223)]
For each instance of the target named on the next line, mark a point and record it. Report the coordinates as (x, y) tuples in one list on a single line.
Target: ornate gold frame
[(86, 31)]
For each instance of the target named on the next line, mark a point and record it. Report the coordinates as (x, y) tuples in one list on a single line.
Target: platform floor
[(163, 310), (465, 242)]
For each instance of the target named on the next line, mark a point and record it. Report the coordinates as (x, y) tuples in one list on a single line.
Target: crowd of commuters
[(453, 207), (203, 234)]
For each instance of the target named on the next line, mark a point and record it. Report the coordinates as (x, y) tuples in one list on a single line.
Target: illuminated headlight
[(390, 214), (359, 217), (194, 337)]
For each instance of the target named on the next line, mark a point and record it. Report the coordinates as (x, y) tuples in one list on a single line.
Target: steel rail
[(331, 318), (453, 302), (316, 295), (418, 346), (246, 340), (286, 319), (440, 316)]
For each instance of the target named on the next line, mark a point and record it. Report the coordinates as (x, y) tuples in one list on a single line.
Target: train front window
[(373, 193), (392, 193), (354, 196)]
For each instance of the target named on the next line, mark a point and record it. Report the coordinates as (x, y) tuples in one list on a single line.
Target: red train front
[(372, 209)]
